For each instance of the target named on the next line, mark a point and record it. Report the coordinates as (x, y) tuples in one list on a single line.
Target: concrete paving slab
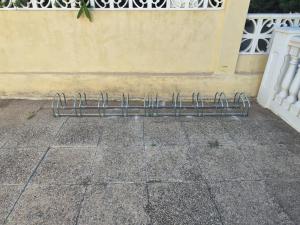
[(245, 132), (163, 131), (245, 203), (160, 164), (224, 163), (209, 130), (119, 164), (287, 195), (8, 195), (181, 203), (80, 132), (279, 132), (170, 164), (65, 166), (48, 205), (259, 113), (18, 164), (122, 131), (195, 132), (120, 204), (273, 161), (15, 111), (39, 130)]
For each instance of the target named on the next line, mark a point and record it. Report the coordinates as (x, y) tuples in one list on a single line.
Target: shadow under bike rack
[(177, 105)]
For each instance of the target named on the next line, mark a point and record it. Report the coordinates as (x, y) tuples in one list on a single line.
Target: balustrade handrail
[(273, 15), (259, 27)]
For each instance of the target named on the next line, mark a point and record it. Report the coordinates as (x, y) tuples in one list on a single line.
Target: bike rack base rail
[(150, 106)]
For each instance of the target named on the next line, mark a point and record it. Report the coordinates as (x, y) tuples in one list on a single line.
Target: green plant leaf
[(87, 12), (80, 12), (84, 9), (20, 3), (56, 4)]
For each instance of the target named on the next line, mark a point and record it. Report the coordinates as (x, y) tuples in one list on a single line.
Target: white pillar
[(281, 80), (295, 108), (289, 76), (293, 91), (276, 66)]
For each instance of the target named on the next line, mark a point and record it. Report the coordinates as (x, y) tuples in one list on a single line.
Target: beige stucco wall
[(251, 64), (117, 41), (42, 52)]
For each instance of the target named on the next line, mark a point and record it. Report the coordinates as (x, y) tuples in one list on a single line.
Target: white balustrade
[(295, 108), (116, 4), (290, 73), (259, 28), (280, 87)]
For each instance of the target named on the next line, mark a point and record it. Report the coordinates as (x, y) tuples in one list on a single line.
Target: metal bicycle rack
[(177, 105)]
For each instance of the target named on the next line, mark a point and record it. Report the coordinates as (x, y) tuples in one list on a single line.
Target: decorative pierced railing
[(280, 86), (258, 32), (115, 4)]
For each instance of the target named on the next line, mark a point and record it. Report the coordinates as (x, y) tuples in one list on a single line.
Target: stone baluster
[(295, 108), (290, 74), (293, 91)]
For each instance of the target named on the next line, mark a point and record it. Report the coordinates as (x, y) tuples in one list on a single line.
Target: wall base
[(36, 85)]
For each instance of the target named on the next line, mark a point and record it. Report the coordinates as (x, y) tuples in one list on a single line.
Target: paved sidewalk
[(146, 171)]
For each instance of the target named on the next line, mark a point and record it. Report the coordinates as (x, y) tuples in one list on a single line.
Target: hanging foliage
[(274, 6)]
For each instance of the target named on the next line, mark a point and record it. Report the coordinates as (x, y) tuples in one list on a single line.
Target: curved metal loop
[(198, 103), (100, 100), (223, 97), (127, 101), (80, 105), (151, 106), (55, 105), (106, 100), (246, 103), (146, 102), (58, 103), (85, 102), (236, 96), (241, 101), (65, 101), (216, 96), (193, 99), (180, 104), (102, 103), (125, 104), (173, 99), (249, 105), (75, 106), (179, 99), (146, 105), (218, 100)]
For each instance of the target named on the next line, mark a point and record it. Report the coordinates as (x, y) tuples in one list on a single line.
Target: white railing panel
[(280, 87), (258, 31), (115, 4)]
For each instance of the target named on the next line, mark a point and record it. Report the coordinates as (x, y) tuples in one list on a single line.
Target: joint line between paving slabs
[(256, 171), (147, 208), (3, 144), (57, 133), (259, 180), (87, 185), (80, 205), (206, 183), (144, 149), (235, 142), (27, 183)]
